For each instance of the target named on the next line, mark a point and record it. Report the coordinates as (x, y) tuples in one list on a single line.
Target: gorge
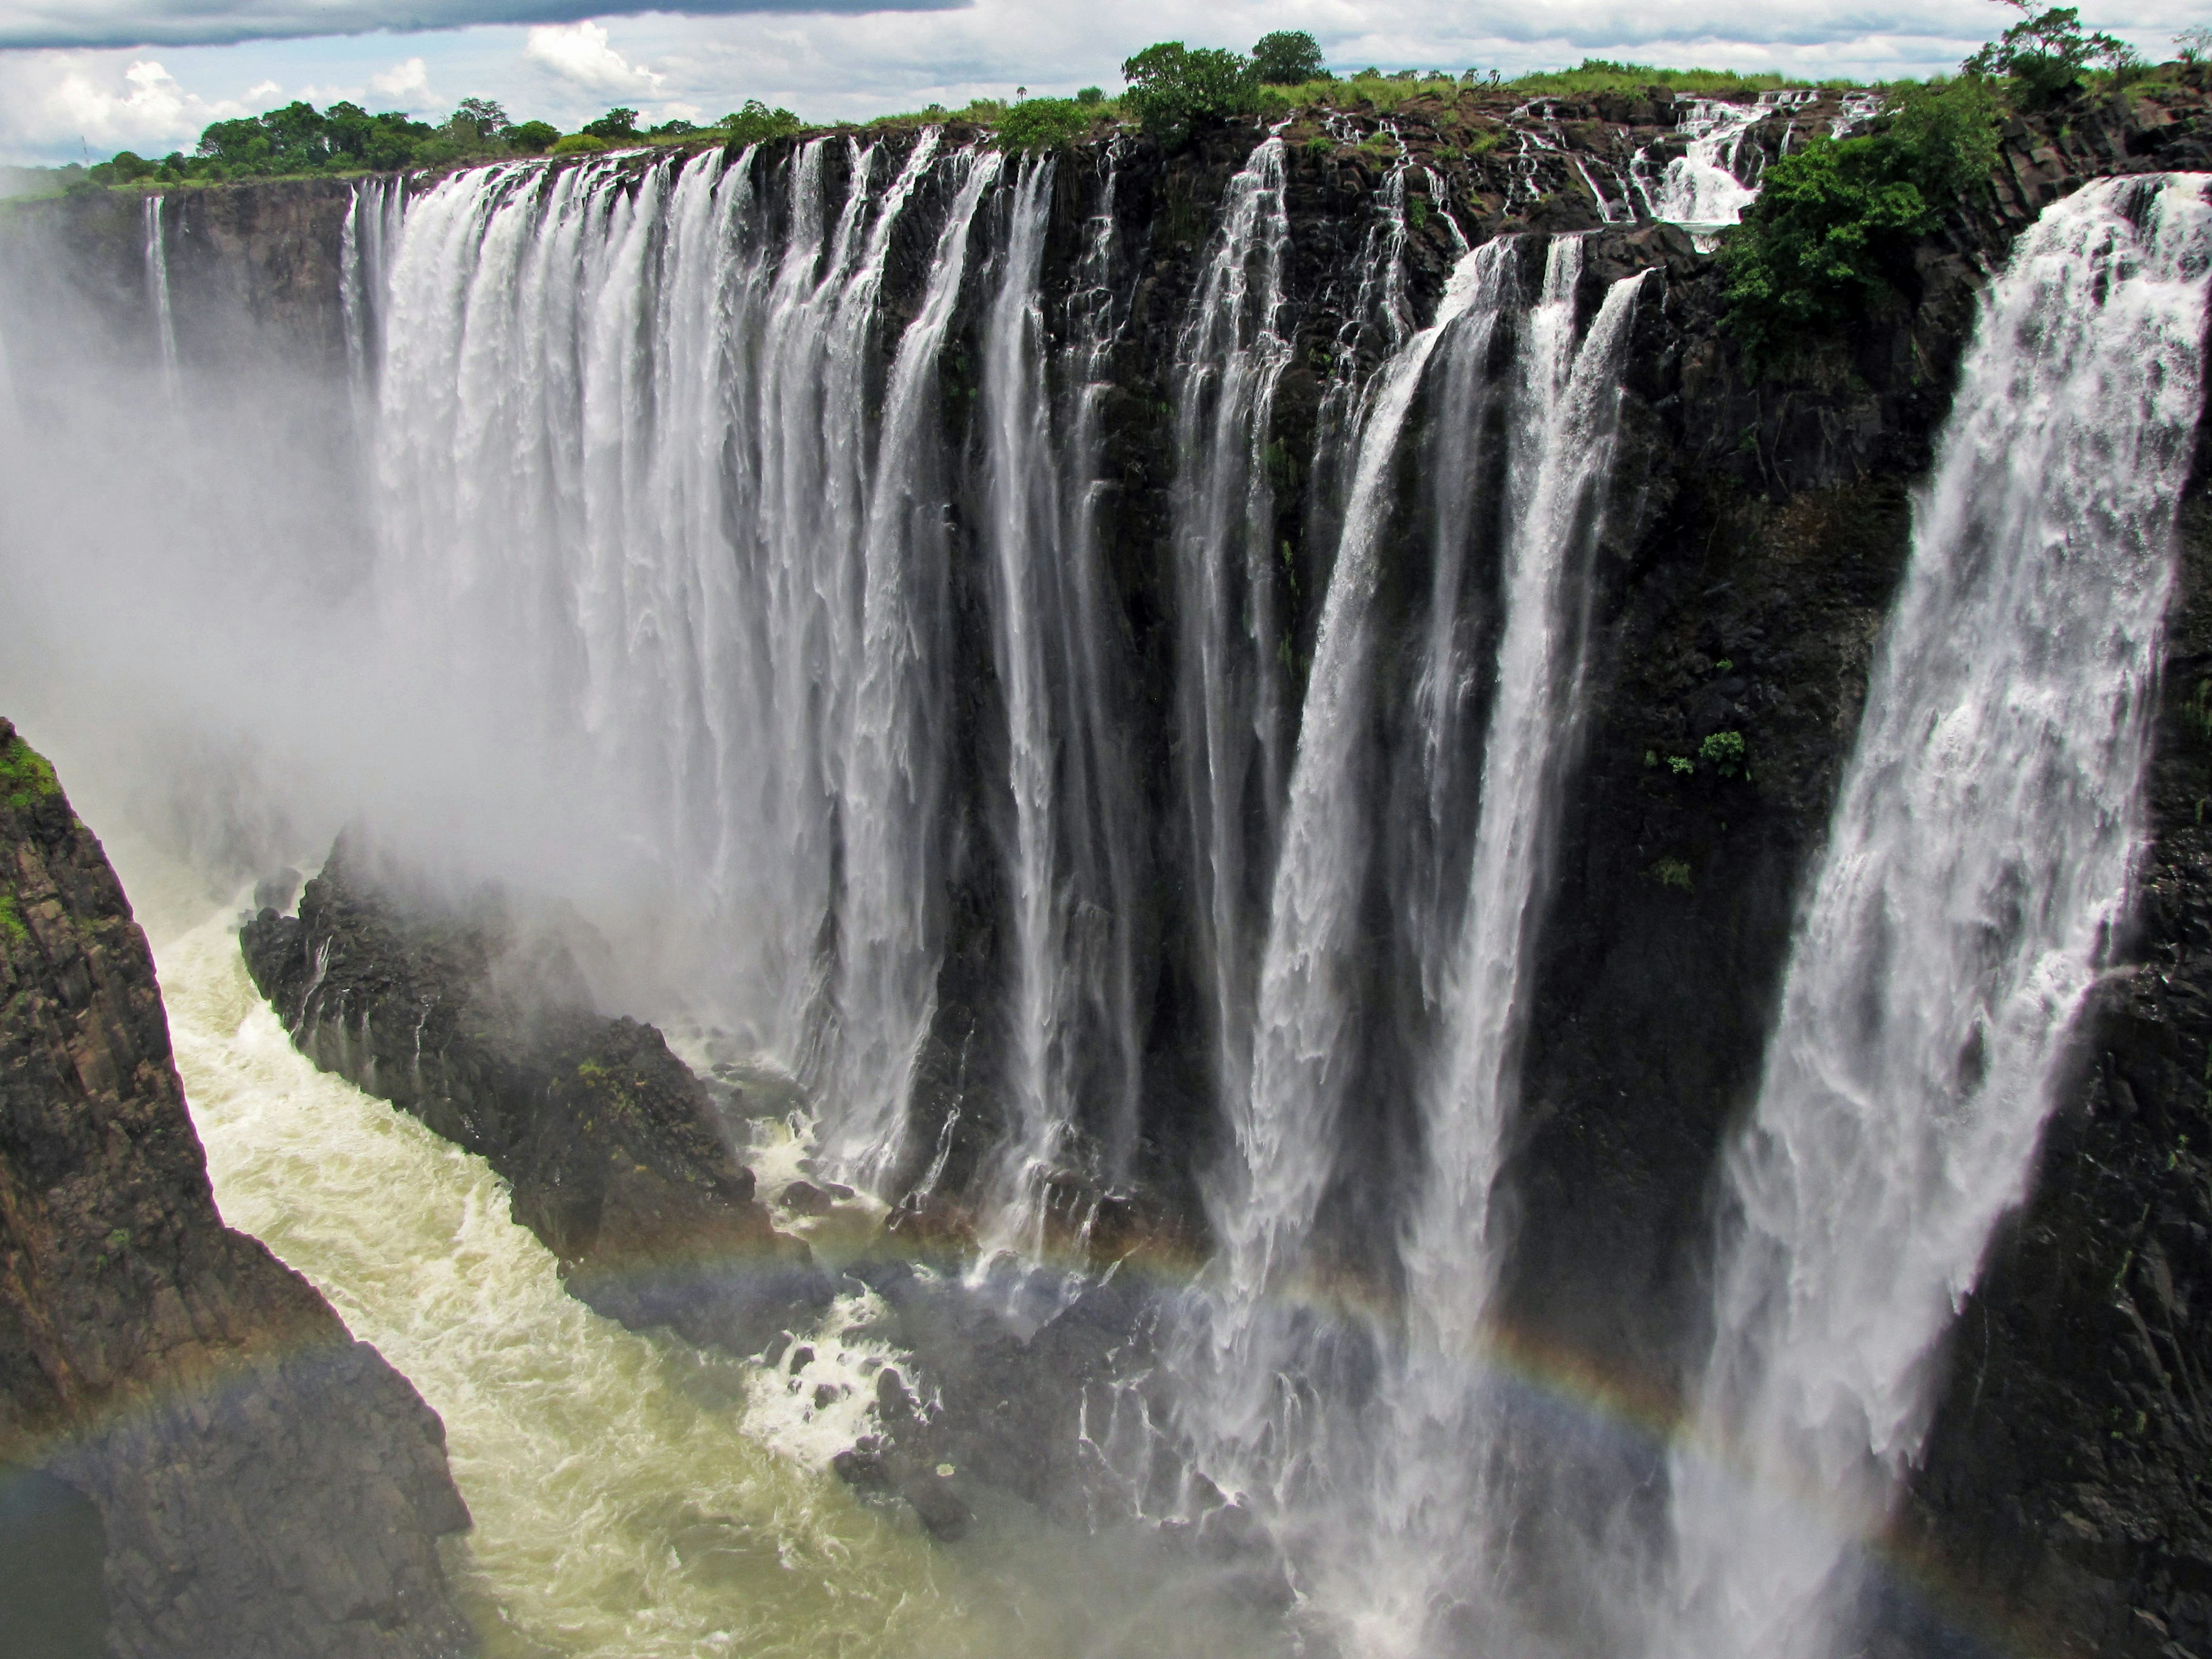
[(1407, 958)]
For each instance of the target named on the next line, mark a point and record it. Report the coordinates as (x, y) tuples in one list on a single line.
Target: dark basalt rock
[(205, 1443), (481, 1026)]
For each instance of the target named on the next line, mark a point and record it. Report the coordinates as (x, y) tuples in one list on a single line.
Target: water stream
[(1978, 863)]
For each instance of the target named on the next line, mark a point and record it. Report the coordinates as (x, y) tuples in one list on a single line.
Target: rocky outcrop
[(480, 1025), (261, 1485)]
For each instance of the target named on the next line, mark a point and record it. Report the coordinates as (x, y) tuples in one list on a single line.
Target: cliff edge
[(265, 1487)]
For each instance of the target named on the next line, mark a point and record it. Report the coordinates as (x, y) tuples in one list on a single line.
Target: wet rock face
[(482, 1026), (263, 1485)]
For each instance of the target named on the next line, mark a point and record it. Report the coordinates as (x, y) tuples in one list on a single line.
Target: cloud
[(578, 53), (91, 23), (148, 111), (409, 80)]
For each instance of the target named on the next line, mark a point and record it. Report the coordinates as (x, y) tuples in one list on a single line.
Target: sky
[(80, 79)]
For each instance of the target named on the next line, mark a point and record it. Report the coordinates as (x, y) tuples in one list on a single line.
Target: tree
[(2047, 52), (1173, 88), (1045, 124), (755, 123), (617, 126), (2194, 46), (533, 138), (479, 118), (1288, 57)]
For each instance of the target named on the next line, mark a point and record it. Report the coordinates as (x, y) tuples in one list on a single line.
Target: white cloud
[(578, 53), (93, 23), (143, 108), (409, 80)]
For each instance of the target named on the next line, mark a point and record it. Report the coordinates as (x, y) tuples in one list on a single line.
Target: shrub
[(1288, 57), (1725, 751), (1173, 88), (1834, 221), (2046, 53), (755, 123), (617, 126), (533, 138), (1090, 96), (1044, 124), (2194, 46), (580, 143)]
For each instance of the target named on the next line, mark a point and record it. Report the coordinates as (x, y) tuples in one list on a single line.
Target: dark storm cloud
[(78, 23)]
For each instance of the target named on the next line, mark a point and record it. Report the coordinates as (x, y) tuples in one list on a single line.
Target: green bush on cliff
[(26, 777), (755, 123), (1174, 87), (1834, 222), (1045, 124)]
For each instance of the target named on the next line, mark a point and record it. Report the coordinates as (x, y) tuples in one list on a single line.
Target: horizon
[(832, 62)]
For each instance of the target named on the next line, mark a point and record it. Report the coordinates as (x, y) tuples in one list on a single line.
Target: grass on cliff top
[(26, 775)]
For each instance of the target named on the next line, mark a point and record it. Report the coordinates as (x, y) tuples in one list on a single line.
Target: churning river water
[(632, 1498)]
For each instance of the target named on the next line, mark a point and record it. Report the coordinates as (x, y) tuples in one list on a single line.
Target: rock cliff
[(480, 1025), (238, 1477)]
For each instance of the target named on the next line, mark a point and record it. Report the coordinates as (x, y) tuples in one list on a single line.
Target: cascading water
[(1229, 691), (890, 805), (1284, 1116), (157, 294), (1025, 514), (375, 211), (1073, 1014), (1378, 1488), (1978, 861), (1703, 187), (1436, 1515), (628, 467)]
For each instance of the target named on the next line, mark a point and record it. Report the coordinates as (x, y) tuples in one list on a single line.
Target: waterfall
[(1230, 679), (1070, 860), (1436, 1515), (1286, 1119), (157, 295), (1977, 866), (375, 211), (633, 483), (1024, 515), (891, 801), (1701, 186)]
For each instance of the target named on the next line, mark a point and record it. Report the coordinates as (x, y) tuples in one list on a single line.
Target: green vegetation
[(1834, 222), (1673, 873), (1173, 88), (617, 126), (1045, 124), (755, 123), (2046, 55), (1725, 751), (1594, 74), (26, 777), (1288, 57), (12, 929), (300, 141)]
